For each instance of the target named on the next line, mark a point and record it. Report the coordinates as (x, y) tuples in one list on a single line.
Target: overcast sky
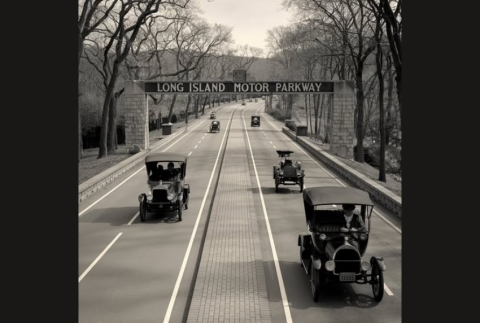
[(250, 19)]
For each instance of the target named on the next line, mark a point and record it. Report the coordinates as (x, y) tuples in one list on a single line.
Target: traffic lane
[(85, 204), (384, 240), (119, 207), (286, 212), (276, 126), (166, 239)]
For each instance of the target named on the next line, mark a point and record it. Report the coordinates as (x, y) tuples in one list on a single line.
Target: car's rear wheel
[(180, 210), (276, 187), (301, 184), (377, 282), (143, 211), (314, 282)]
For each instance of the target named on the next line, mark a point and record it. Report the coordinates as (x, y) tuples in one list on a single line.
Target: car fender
[(317, 263), (186, 187), (380, 262)]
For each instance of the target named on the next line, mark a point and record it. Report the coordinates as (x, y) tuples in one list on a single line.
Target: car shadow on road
[(115, 216), (160, 217), (123, 215), (333, 295)]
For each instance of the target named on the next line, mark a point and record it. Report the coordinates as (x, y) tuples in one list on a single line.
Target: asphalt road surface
[(132, 271)]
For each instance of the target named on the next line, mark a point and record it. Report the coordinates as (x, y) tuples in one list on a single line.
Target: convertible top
[(165, 158), (336, 195), (284, 153)]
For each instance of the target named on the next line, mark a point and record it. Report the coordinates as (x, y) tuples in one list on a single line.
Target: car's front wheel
[(377, 282), (314, 282), (180, 210), (143, 211), (301, 184)]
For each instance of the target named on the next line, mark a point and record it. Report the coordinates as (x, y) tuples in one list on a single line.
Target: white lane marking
[(389, 292), (184, 136), (274, 147), (98, 258), (200, 141), (195, 147), (286, 307), (190, 153), (203, 137), (185, 259), (113, 189), (341, 183), (87, 208), (271, 142), (133, 219)]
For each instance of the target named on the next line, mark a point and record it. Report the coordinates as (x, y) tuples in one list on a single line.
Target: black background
[(439, 159)]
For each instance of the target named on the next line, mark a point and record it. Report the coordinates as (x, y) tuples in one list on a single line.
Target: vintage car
[(213, 115), (255, 121), (215, 126), (167, 189), (287, 172), (243, 102), (331, 252)]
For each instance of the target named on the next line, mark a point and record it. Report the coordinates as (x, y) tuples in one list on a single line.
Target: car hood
[(163, 186)]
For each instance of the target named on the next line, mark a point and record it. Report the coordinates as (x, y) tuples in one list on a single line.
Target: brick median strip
[(230, 285)]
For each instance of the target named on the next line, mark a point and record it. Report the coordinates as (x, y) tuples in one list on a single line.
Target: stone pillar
[(342, 131), (136, 115)]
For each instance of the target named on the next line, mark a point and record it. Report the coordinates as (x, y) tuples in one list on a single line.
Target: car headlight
[(366, 265), (149, 197), (363, 237), (323, 236), (170, 196), (330, 265), (140, 198)]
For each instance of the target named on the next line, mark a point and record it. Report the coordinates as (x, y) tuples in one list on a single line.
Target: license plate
[(347, 277)]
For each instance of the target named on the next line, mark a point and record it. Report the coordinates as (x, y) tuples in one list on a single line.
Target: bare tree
[(92, 14)]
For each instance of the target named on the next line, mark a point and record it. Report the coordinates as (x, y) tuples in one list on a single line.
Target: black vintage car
[(255, 122), (215, 126), (287, 172), (167, 189), (332, 251)]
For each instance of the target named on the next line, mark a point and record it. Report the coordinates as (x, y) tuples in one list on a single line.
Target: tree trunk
[(360, 96), (172, 105), (186, 109), (379, 58), (112, 125), (102, 150), (204, 104), (80, 142), (196, 107)]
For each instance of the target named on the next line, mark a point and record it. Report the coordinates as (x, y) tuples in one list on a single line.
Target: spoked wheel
[(301, 184), (143, 211), (377, 282), (276, 187), (180, 210), (314, 282)]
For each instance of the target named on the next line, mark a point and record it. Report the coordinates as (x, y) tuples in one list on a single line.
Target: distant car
[(215, 126), (213, 115), (166, 190), (263, 98), (243, 102), (275, 98), (332, 253), (255, 121), (287, 172)]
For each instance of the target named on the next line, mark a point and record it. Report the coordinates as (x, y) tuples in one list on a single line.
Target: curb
[(380, 194)]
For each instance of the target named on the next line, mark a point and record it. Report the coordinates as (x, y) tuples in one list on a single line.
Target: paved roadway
[(131, 271)]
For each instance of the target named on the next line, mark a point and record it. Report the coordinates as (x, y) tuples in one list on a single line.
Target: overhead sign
[(239, 87)]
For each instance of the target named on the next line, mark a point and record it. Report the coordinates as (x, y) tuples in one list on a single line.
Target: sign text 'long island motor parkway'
[(239, 87)]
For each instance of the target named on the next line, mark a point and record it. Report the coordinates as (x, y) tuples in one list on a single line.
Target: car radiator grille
[(159, 196), (347, 260)]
